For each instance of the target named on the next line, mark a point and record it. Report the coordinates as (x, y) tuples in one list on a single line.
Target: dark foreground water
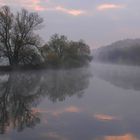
[(101, 102)]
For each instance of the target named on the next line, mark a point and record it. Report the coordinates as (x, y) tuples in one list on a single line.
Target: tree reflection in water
[(22, 91)]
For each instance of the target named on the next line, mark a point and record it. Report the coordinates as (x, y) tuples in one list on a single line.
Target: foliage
[(22, 46), (17, 34), (120, 55), (59, 51)]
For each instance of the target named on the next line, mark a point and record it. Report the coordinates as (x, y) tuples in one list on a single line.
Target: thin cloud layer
[(42, 5), (47, 5), (107, 6), (124, 137), (98, 22), (103, 117), (70, 11)]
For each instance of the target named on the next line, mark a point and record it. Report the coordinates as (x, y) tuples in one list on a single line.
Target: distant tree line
[(20, 43), (125, 55)]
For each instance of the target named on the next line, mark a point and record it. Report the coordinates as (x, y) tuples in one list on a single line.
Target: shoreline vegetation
[(8, 68), (22, 47), (123, 52)]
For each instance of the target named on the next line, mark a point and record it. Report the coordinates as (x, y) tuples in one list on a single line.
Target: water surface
[(101, 102)]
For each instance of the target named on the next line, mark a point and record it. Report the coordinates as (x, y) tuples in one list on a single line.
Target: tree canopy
[(60, 51), (20, 43), (17, 33)]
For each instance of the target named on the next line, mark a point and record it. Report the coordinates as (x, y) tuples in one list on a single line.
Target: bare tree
[(17, 32)]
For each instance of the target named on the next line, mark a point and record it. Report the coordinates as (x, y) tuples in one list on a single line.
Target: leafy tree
[(77, 53), (17, 33), (54, 50), (57, 44), (63, 52)]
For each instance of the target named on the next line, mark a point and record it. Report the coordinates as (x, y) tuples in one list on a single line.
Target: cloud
[(53, 136), (103, 117), (124, 137), (108, 6), (70, 109), (73, 12), (39, 5), (33, 4), (38, 8), (2, 3)]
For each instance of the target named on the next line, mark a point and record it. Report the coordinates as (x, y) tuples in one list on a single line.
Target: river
[(101, 102)]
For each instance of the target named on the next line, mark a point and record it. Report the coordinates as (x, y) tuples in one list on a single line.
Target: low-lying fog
[(98, 102)]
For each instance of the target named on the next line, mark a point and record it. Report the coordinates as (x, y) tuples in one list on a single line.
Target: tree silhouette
[(59, 51), (17, 35)]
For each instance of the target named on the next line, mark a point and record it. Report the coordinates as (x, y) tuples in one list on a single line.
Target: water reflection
[(123, 137), (16, 98), (107, 111), (57, 85), (127, 77), (20, 93)]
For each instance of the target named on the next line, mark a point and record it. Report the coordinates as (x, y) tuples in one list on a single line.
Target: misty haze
[(69, 70)]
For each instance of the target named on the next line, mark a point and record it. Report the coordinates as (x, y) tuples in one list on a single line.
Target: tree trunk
[(13, 61)]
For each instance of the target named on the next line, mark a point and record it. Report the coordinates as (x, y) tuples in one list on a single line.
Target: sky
[(98, 22)]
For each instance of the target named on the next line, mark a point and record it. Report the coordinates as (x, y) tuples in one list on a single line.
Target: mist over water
[(124, 76), (100, 102)]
